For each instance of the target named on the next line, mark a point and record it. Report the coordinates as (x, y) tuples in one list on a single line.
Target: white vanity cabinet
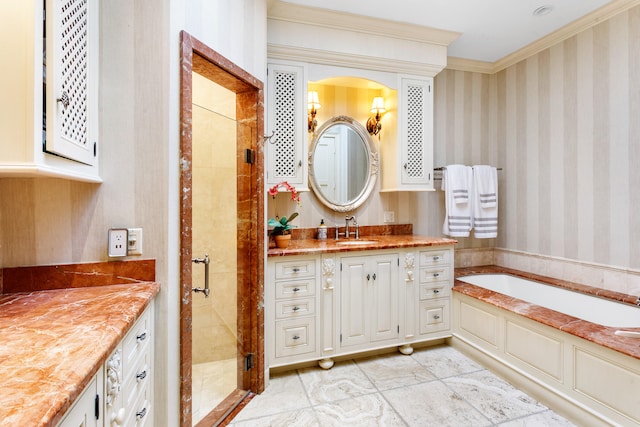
[(292, 304), (369, 295), (48, 124), (408, 164), (434, 292), (129, 377), (287, 117), (86, 412), (321, 306)]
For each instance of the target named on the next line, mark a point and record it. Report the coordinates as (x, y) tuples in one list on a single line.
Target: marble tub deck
[(435, 386)]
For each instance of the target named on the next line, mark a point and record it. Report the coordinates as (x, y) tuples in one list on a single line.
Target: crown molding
[(278, 10), (317, 56), (462, 64)]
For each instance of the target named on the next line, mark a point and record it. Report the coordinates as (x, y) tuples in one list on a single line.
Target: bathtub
[(593, 309), (556, 344)]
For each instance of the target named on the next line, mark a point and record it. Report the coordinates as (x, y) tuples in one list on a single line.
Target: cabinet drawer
[(296, 336), (139, 413), (136, 378), (295, 288), (434, 274), (434, 316), (435, 290), (295, 269), (295, 308), (136, 341), (429, 258)]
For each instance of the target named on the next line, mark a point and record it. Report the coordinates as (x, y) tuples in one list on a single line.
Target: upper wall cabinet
[(49, 123), (286, 116), (413, 149)]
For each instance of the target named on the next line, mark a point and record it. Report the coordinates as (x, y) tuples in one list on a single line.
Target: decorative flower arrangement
[(282, 226)]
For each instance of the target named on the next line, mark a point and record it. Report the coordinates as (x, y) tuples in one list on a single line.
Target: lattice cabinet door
[(286, 116), (71, 64), (416, 132)]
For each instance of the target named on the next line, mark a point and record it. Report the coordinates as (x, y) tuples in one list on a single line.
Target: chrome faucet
[(347, 234)]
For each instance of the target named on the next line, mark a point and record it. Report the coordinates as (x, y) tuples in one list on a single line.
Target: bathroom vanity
[(332, 298)]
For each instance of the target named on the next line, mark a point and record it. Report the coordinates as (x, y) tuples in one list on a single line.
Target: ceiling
[(490, 29)]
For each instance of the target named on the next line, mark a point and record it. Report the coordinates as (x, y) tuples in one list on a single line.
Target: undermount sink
[(355, 242)]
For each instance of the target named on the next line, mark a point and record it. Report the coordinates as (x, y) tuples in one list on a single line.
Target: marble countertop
[(52, 342), (370, 242)]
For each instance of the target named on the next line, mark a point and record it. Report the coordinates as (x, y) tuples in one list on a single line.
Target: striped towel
[(485, 202), (457, 183)]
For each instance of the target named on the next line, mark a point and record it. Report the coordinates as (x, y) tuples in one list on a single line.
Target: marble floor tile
[(541, 419), (393, 370), (301, 417), (433, 404), (367, 410), (284, 394), (342, 381), (445, 361), (495, 398)]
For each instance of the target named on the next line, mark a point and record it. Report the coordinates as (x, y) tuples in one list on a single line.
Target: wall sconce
[(313, 106), (373, 124)]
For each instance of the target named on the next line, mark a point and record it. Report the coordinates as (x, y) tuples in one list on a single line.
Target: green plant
[(283, 225)]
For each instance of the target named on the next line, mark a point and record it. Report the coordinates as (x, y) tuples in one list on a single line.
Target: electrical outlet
[(118, 242), (135, 241), (389, 216)]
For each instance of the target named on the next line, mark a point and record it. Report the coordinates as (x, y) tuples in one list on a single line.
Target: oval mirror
[(343, 164)]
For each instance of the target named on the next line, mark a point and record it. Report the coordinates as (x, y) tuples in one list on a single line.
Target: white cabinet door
[(286, 116), (416, 131), (49, 126), (369, 299), (83, 412)]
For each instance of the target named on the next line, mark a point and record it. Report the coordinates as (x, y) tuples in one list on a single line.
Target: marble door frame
[(196, 56)]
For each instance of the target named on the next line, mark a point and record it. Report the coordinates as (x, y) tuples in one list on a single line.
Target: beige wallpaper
[(567, 133)]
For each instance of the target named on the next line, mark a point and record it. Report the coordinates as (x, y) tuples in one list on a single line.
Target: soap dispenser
[(322, 231)]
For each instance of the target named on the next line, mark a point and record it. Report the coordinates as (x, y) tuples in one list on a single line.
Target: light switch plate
[(118, 241), (135, 241), (389, 216)]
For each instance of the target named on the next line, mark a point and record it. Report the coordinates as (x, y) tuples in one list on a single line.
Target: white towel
[(485, 202), (457, 219)]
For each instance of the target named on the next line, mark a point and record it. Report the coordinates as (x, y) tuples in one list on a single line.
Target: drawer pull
[(436, 274), (436, 258), (296, 289), (141, 337), (295, 337), (436, 291), (296, 269), (296, 308), (142, 375), (436, 317), (140, 414)]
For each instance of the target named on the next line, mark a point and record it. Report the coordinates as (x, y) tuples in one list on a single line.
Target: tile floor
[(436, 386)]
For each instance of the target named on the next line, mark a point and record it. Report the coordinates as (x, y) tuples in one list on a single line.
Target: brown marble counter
[(602, 335), (370, 242), (52, 342)]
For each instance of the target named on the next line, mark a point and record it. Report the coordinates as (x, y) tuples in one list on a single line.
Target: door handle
[(204, 261)]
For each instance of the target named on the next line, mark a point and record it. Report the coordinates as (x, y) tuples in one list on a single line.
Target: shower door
[(215, 231)]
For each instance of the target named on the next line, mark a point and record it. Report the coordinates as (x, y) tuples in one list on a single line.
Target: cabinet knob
[(436, 274), (436, 291), (295, 337), (142, 375), (405, 166), (140, 414), (296, 289), (436, 317), (296, 308), (296, 269), (141, 337), (64, 99), (436, 258), (368, 277)]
